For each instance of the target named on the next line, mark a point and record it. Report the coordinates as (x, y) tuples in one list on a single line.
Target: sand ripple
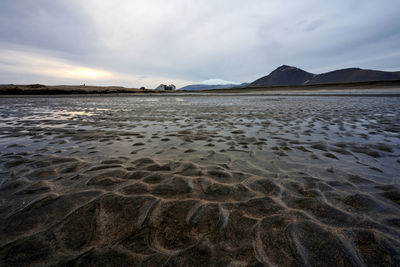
[(145, 211), (275, 182)]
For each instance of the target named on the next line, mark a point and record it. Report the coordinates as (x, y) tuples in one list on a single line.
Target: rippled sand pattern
[(200, 181)]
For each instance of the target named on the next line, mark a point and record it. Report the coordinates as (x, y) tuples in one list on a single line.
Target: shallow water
[(193, 180)]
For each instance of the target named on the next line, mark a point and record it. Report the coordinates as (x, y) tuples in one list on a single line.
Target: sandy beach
[(206, 180)]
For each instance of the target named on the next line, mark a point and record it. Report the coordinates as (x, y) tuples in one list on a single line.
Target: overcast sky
[(148, 42)]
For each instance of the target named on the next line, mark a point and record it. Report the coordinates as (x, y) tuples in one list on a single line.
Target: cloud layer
[(144, 43)]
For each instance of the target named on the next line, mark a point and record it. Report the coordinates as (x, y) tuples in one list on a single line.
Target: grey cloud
[(46, 24), (313, 25), (233, 40)]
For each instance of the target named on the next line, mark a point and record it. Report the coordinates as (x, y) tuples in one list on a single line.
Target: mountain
[(213, 84), (354, 75), (284, 75), (217, 81), (288, 75), (198, 87)]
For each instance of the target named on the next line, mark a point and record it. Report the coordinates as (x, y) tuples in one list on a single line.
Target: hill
[(288, 75), (284, 75), (39, 89), (353, 75), (200, 87)]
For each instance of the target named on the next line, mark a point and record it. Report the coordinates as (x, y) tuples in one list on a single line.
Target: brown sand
[(200, 181)]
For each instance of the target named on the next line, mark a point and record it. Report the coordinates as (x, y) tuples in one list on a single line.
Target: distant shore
[(39, 89), (392, 87)]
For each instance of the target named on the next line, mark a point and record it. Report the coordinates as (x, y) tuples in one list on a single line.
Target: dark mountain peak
[(290, 69), (289, 75), (284, 75), (285, 68)]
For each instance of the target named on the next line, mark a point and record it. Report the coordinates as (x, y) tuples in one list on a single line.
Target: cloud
[(197, 40), (45, 24), (51, 69), (23, 62)]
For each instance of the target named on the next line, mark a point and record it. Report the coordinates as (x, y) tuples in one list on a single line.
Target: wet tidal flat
[(200, 181)]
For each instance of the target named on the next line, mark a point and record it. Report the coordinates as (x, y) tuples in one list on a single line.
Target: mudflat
[(206, 180)]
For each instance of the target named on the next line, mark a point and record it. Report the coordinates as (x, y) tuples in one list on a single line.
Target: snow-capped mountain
[(213, 84)]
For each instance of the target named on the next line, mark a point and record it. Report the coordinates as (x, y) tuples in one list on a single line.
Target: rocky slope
[(288, 75)]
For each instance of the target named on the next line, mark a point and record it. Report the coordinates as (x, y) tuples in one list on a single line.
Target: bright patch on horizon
[(32, 63), (41, 68), (89, 73)]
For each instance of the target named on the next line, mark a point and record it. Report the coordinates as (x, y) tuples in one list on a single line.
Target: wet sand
[(200, 181)]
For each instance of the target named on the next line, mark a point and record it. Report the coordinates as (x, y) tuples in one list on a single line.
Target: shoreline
[(342, 93), (317, 89), (199, 179)]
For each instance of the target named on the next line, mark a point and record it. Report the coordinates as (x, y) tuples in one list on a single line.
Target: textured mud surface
[(200, 181)]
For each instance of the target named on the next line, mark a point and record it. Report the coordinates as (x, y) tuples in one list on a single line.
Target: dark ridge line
[(312, 86), (383, 83)]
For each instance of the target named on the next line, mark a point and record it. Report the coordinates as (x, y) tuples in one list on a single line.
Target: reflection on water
[(230, 177), (272, 120), (69, 114), (304, 118)]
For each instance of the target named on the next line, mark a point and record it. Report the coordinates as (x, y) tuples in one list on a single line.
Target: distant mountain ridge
[(288, 75), (199, 87), (354, 75)]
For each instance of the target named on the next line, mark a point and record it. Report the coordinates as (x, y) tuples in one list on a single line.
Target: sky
[(136, 43)]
